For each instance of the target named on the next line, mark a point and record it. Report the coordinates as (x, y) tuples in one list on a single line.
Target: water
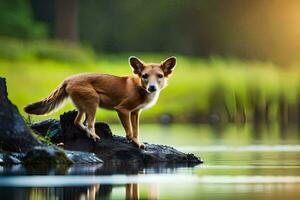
[(239, 163)]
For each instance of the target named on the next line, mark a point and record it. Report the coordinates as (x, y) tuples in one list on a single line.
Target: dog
[(128, 95)]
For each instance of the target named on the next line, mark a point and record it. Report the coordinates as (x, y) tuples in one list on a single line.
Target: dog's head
[(153, 76)]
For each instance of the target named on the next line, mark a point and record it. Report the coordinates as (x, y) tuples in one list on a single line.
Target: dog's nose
[(152, 88)]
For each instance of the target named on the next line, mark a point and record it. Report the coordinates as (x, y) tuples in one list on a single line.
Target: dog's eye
[(145, 76), (160, 75)]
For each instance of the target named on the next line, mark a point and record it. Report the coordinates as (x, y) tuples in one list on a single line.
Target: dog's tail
[(51, 103)]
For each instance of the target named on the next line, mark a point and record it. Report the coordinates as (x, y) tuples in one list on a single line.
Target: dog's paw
[(142, 146), (95, 137), (138, 143)]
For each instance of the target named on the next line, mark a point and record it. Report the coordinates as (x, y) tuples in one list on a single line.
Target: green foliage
[(44, 140), (248, 29), (62, 51), (234, 90), (13, 49), (16, 20)]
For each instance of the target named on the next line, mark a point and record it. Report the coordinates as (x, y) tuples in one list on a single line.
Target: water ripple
[(48, 181), (249, 148)]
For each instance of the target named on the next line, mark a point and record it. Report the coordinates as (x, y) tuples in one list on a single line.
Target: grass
[(14, 49), (198, 87), (199, 90)]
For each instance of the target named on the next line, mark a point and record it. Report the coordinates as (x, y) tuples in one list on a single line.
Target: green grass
[(198, 87), (14, 49)]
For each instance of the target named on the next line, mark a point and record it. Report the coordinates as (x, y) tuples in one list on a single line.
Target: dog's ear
[(168, 65), (136, 64)]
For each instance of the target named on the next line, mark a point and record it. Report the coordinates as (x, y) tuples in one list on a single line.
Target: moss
[(44, 140), (46, 156)]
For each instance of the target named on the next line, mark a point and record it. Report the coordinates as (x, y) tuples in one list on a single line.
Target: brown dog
[(128, 95)]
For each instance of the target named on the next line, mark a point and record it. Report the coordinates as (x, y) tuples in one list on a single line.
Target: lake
[(240, 162)]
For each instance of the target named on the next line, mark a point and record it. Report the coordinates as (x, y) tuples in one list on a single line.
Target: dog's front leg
[(124, 116), (135, 128)]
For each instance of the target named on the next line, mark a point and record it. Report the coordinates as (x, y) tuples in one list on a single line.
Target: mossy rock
[(50, 156)]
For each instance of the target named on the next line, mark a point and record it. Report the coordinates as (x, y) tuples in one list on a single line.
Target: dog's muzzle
[(152, 88)]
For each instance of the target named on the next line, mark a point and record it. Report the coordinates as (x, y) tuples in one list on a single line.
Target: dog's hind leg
[(86, 101), (78, 122), (91, 115)]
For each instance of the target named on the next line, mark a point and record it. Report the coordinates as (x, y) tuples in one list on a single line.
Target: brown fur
[(52, 102), (127, 95)]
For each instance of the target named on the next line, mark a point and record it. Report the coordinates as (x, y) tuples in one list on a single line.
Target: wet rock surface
[(7, 158), (46, 155), (80, 157), (112, 148)]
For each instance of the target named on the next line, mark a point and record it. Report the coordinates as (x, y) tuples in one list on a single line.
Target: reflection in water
[(217, 190), (248, 148), (97, 191), (87, 193), (95, 169), (91, 192), (79, 181), (132, 191), (240, 163)]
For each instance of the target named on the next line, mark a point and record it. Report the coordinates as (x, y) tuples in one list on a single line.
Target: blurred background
[(237, 60), (233, 100)]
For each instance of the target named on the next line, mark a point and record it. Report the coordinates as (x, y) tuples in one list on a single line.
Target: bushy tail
[(52, 102)]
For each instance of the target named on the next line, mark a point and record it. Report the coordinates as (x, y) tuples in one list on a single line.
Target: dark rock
[(53, 156), (70, 132), (7, 158), (112, 148), (49, 156), (49, 129), (43, 126), (46, 155), (14, 134), (79, 157)]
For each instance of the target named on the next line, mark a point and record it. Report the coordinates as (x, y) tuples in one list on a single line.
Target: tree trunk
[(66, 20)]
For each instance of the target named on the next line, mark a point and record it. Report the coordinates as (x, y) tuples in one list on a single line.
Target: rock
[(53, 156), (50, 156), (46, 155), (126, 168), (14, 134), (79, 157), (112, 148), (7, 158), (44, 126)]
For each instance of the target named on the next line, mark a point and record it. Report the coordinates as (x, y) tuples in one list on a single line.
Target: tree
[(66, 13), (16, 20)]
